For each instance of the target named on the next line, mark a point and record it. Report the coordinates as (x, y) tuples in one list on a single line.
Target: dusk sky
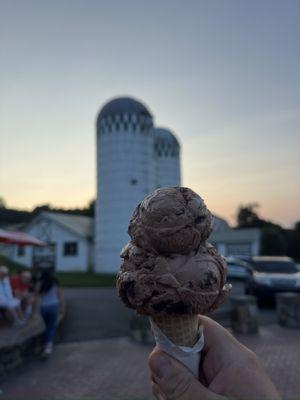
[(223, 75)]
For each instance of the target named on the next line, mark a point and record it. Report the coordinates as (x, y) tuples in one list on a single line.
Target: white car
[(272, 275), (237, 268)]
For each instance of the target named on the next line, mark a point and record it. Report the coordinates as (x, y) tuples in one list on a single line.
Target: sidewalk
[(279, 349), (112, 369)]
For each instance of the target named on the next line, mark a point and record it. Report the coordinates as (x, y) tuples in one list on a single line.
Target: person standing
[(8, 302), (49, 295)]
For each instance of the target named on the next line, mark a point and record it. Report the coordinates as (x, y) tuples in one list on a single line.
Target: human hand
[(228, 370)]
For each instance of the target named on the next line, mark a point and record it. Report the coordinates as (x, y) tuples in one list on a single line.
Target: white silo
[(167, 158), (125, 174)]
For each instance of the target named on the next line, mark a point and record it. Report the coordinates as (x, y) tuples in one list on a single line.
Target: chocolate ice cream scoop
[(176, 284), (171, 220)]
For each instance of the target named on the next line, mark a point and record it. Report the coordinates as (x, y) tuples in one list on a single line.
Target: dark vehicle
[(271, 275), (237, 268)]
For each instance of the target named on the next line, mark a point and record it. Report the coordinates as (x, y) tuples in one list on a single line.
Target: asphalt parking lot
[(98, 313)]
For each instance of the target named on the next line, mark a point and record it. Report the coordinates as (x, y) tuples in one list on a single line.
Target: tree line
[(11, 216), (275, 240)]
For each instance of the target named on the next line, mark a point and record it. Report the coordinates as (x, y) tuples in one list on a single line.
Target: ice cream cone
[(182, 330)]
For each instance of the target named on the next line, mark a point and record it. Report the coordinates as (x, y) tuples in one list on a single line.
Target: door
[(44, 257)]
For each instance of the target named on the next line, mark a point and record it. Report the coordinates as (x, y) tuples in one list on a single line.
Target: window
[(45, 257), (279, 267), (21, 251), (70, 249)]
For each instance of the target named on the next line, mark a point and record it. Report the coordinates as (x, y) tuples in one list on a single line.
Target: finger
[(217, 338), (157, 393), (213, 332), (175, 381), (153, 378)]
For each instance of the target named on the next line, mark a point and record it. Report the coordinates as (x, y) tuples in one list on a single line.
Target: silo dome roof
[(165, 136), (121, 105), (165, 143)]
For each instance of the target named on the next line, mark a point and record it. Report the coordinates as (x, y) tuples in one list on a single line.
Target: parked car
[(237, 268), (271, 275)]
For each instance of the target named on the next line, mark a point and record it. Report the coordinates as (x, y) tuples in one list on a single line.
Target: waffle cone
[(180, 329)]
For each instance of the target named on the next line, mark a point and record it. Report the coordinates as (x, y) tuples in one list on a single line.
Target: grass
[(86, 279), (69, 279)]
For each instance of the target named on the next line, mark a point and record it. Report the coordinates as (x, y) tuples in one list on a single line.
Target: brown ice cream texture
[(175, 284), (168, 268), (171, 220)]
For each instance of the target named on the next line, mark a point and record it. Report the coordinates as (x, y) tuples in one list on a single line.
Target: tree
[(247, 216), (2, 203), (273, 242), (38, 209), (293, 241), (297, 226), (91, 208)]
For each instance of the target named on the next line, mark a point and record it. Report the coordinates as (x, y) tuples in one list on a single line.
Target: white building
[(69, 239), (219, 224), (237, 242), (133, 159)]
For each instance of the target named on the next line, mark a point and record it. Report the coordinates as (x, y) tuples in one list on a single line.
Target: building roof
[(219, 224), (122, 105), (78, 224)]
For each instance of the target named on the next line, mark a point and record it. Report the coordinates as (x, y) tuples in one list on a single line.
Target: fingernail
[(160, 366)]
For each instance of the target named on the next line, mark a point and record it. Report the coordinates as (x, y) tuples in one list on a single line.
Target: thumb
[(171, 380)]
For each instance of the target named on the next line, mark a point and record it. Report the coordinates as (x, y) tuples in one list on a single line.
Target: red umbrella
[(20, 238)]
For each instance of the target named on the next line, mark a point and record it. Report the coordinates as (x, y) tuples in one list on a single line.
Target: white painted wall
[(237, 242), (58, 235)]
